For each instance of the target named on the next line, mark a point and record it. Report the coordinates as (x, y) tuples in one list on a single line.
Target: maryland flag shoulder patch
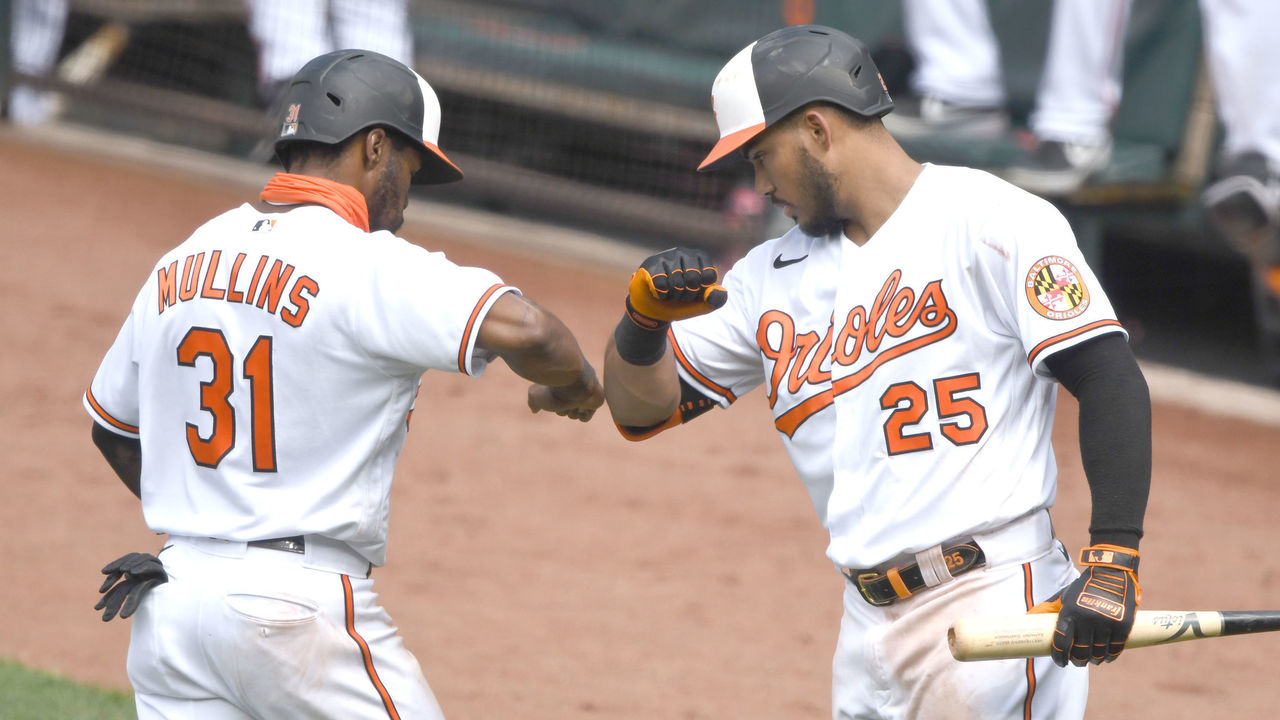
[(1055, 289)]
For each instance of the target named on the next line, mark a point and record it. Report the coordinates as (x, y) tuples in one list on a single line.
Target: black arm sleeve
[(1115, 433)]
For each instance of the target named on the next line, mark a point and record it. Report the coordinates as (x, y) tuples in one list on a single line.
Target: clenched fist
[(673, 285)]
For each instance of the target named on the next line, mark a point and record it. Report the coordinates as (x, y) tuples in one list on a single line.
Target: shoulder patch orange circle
[(1056, 290)]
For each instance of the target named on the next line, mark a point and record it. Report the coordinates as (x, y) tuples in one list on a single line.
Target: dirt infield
[(546, 569)]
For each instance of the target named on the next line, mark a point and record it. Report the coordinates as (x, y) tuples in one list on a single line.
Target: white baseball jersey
[(269, 366), (906, 376)]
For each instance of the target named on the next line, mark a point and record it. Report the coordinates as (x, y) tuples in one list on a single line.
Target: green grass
[(27, 694)]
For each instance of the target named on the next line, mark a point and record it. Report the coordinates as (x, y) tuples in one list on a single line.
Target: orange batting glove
[(673, 285)]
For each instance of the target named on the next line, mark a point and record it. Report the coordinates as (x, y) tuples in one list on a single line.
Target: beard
[(820, 189), (386, 206)]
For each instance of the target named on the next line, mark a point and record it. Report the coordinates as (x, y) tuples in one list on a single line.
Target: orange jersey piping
[(684, 362), (1031, 666), (349, 602), (1035, 352), (471, 326), (118, 424)]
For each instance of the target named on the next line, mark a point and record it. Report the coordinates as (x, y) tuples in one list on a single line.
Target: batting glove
[(673, 285), (1096, 611), (137, 573)]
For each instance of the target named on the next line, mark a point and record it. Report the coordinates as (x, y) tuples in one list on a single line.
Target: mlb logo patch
[(264, 226)]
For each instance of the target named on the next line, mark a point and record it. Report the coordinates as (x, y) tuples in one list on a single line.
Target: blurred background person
[(291, 32), (35, 37), (958, 86), (1243, 203), (1242, 55)]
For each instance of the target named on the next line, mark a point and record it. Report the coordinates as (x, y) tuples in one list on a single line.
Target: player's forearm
[(534, 343), (123, 454), (542, 349), (1115, 449), (1115, 433), (640, 395), (551, 356)]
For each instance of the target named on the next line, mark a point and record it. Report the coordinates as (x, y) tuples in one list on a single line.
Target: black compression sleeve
[(1115, 433)]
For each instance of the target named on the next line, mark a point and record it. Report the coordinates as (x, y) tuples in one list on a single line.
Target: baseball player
[(259, 394), (908, 333)]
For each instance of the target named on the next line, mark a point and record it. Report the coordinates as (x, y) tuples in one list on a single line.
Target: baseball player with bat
[(259, 394), (910, 334)]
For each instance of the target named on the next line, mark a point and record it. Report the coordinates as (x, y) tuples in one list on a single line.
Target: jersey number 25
[(910, 402)]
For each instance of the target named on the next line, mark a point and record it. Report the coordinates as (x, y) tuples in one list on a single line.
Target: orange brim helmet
[(784, 71), (338, 94)]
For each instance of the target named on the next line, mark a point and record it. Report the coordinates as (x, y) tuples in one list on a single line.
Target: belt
[(901, 582), (293, 544), (316, 552)]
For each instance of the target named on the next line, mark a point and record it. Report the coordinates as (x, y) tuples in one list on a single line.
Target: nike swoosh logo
[(779, 263)]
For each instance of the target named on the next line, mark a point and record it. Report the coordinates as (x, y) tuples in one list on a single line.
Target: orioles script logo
[(884, 331)]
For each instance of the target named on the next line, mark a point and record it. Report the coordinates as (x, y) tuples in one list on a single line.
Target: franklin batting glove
[(1096, 611)]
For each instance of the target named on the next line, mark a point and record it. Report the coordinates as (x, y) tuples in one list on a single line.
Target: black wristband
[(640, 346)]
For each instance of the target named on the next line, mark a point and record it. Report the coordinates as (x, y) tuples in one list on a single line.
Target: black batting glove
[(137, 573), (1096, 611)]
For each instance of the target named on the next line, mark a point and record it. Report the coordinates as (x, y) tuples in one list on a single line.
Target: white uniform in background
[(1242, 53), (907, 382), (36, 37), (289, 32), (958, 60), (269, 367)]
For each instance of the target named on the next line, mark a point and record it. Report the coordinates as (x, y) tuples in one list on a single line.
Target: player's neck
[(874, 196)]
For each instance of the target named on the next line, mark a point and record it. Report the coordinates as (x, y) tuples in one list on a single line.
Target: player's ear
[(816, 126), (376, 147)]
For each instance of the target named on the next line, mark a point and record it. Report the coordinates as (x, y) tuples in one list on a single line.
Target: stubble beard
[(821, 191), (385, 211)]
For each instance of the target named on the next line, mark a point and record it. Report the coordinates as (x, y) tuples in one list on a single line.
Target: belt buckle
[(864, 577), (287, 544)]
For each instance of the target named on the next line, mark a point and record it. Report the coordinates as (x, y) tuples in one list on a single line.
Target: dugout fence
[(591, 111), (597, 111)]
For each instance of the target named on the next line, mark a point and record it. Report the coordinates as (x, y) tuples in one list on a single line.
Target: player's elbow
[(537, 333), (516, 327)]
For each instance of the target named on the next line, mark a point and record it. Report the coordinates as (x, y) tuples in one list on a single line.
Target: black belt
[(293, 544), (900, 583)]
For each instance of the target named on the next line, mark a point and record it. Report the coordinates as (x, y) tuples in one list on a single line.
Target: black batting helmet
[(786, 70), (336, 95)]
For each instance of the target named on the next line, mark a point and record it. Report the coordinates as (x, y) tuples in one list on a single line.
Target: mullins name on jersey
[(263, 289)]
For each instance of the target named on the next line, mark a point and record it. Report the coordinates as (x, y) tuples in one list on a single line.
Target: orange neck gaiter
[(286, 188)]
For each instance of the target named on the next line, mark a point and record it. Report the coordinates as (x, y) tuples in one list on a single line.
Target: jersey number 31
[(215, 398)]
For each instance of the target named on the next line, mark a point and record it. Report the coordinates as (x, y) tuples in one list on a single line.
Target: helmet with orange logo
[(336, 95)]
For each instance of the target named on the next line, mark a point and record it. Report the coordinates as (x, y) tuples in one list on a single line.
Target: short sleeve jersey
[(269, 366), (906, 376)]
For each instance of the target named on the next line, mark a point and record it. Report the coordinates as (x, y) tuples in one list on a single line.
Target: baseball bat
[(1021, 636)]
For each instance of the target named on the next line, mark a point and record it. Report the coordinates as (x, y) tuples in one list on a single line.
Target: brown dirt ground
[(546, 569)]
